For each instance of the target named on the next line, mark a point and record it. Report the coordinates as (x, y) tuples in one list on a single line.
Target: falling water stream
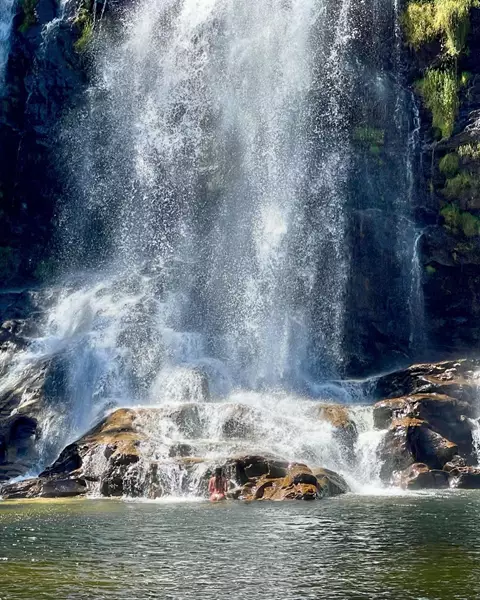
[(6, 18), (211, 173)]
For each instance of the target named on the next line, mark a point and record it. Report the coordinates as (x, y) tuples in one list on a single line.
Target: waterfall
[(186, 440), (211, 226), (6, 18), (209, 184)]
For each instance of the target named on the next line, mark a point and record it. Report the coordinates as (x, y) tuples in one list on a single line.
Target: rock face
[(465, 478), (411, 440), (448, 211), (32, 391), (451, 377), (420, 477), (431, 425), (108, 460)]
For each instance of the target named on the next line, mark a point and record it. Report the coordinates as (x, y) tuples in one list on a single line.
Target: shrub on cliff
[(29, 8), (459, 221), (448, 20), (439, 90), (449, 164)]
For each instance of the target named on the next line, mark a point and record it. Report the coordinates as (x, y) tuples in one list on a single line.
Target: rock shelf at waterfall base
[(429, 414)]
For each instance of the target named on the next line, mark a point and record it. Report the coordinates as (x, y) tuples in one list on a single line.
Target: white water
[(187, 439), (6, 18), (476, 440), (210, 173)]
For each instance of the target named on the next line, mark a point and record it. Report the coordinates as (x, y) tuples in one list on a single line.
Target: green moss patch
[(371, 136), (463, 186), (471, 151), (85, 24), (449, 164), (439, 90), (459, 221), (29, 8), (447, 20)]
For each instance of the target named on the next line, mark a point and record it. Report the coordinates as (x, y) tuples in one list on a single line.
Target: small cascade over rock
[(172, 449), (6, 19)]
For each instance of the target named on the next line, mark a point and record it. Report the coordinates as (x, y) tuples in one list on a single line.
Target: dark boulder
[(410, 441), (454, 378), (467, 478), (449, 417), (330, 483), (420, 477)]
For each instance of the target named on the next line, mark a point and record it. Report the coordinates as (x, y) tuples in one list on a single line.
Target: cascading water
[(211, 171), (6, 18)]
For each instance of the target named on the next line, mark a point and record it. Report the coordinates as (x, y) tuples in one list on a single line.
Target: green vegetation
[(29, 8), (469, 151), (371, 137), (459, 221), (463, 186), (85, 24), (465, 77), (419, 23), (430, 270), (449, 164), (452, 20), (439, 90), (447, 20)]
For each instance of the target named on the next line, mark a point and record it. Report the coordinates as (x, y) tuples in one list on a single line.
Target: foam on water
[(209, 172)]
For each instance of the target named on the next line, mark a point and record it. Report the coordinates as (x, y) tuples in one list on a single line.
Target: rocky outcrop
[(46, 74), (410, 441), (447, 180), (465, 478), (456, 378), (420, 477), (34, 392), (431, 425), (447, 416), (109, 460), (344, 428)]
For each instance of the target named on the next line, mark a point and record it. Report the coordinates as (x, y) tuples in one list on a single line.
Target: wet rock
[(330, 483), (63, 488), (339, 416), (180, 450), (467, 478), (456, 462), (298, 484), (188, 417), (446, 415), (115, 438), (410, 441), (40, 487), (103, 455), (108, 459), (29, 488), (240, 423), (420, 477), (246, 468), (454, 378)]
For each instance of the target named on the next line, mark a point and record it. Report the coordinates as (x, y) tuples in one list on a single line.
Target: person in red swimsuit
[(217, 486)]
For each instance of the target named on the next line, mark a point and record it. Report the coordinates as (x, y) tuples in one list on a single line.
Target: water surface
[(395, 547)]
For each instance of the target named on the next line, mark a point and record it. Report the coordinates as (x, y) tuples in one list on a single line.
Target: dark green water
[(404, 547)]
